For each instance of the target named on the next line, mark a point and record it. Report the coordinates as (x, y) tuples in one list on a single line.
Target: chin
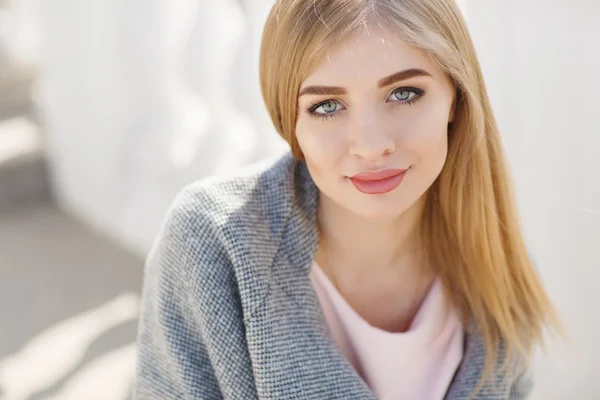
[(379, 210)]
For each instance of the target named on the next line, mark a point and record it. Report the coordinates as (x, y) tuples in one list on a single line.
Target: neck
[(360, 243), (378, 265)]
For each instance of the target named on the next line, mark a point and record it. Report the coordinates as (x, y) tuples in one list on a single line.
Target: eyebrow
[(387, 81)]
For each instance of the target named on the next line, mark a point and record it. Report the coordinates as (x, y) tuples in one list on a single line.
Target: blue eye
[(327, 107), (403, 95)]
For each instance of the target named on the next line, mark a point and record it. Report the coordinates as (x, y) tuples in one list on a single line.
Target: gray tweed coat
[(228, 309)]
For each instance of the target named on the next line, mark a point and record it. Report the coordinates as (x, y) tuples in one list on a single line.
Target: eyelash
[(419, 93)]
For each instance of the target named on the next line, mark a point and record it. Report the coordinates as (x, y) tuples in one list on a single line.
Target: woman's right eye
[(325, 107), (328, 107)]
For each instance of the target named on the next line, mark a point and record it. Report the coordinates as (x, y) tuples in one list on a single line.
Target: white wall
[(19, 31), (541, 61), (141, 97)]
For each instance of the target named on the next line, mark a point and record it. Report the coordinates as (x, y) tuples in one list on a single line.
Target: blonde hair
[(471, 221)]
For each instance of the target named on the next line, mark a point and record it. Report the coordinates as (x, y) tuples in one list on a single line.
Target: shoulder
[(213, 203), (221, 234)]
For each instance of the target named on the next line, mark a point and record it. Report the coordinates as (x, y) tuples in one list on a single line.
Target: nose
[(369, 139)]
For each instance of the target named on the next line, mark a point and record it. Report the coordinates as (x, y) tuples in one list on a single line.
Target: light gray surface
[(53, 270)]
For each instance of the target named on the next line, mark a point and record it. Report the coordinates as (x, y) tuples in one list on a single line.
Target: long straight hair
[(471, 224)]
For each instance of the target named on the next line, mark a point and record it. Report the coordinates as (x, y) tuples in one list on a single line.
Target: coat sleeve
[(172, 357)]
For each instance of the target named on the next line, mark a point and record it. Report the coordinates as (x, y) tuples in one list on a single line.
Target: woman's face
[(372, 123)]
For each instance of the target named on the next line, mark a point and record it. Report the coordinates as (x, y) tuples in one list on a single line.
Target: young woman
[(381, 258)]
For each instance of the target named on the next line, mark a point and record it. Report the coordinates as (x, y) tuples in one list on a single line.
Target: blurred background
[(108, 108)]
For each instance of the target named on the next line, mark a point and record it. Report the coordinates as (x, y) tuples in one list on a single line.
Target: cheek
[(322, 148), (427, 141)]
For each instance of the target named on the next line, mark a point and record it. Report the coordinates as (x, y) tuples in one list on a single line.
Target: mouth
[(378, 182)]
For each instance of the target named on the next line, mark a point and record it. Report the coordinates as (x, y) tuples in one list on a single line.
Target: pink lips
[(378, 182)]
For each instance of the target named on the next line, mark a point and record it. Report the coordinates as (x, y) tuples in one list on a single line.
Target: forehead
[(368, 54)]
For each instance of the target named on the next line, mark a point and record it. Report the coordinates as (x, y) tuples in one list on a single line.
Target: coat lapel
[(470, 372), (292, 353)]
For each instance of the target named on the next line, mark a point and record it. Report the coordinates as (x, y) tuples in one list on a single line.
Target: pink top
[(416, 364)]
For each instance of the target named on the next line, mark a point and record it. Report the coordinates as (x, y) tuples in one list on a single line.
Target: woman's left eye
[(405, 95)]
